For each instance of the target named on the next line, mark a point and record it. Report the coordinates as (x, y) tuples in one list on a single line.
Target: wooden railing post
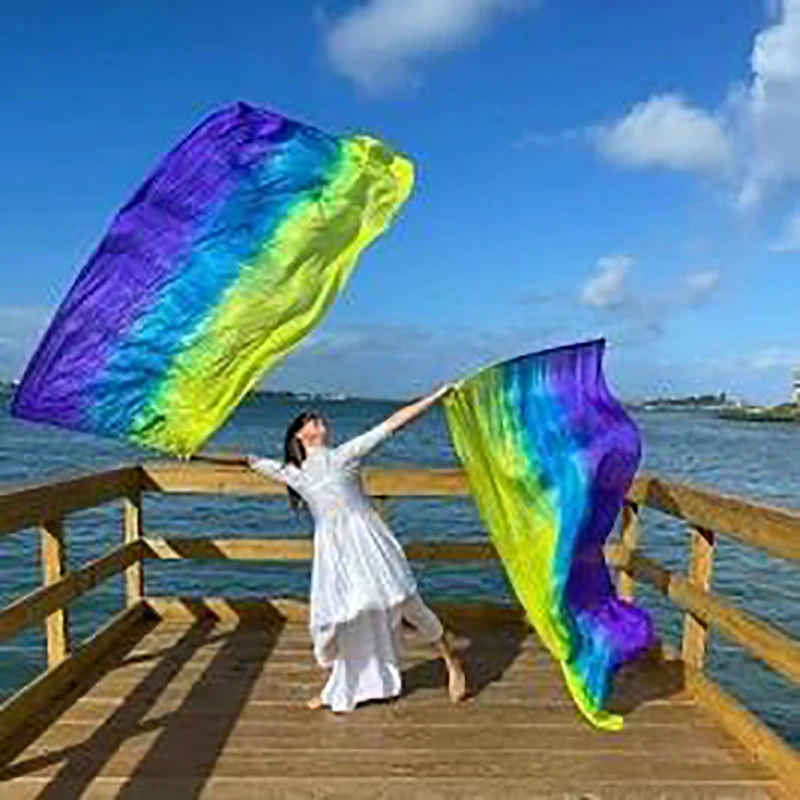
[(134, 574), (695, 631), (54, 567), (630, 541)]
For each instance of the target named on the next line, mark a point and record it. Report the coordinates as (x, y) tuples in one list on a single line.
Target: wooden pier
[(204, 697)]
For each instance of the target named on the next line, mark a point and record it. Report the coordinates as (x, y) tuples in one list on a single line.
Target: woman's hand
[(443, 390), (446, 388)]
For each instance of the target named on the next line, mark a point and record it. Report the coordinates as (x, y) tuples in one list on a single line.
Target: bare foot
[(456, 682), (315, 703)]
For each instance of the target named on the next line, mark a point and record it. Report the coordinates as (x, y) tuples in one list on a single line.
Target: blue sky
[(623, 169)]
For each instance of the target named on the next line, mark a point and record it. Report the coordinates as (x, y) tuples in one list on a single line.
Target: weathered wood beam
[(270, 549), (695, 628), (54, 567), (29, 505), (132, 535), (763, 640), (629, 535), (775, 530), (199, 477), (41, 603)]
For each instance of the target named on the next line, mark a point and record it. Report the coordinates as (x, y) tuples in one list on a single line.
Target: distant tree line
[(720, 399)]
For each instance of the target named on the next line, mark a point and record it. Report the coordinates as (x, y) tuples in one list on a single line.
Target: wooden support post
[(134, 574), (695, 631), (54, 567), (630, 541)]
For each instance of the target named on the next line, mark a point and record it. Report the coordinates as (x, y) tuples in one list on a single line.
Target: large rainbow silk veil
[(549, 454), (221, 262)]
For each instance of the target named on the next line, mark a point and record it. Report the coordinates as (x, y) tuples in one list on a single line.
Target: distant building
[(796, 387)]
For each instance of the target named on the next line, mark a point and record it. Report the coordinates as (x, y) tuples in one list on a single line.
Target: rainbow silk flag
[(549, 454), (223, 260)]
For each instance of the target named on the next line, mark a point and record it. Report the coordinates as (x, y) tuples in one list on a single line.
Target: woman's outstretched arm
[(355, 449), (268, 467), (410, 412)]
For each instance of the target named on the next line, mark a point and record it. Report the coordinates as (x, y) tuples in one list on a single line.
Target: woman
[(361, 585)]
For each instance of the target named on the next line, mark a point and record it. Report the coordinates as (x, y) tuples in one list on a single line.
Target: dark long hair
[(294, 452)]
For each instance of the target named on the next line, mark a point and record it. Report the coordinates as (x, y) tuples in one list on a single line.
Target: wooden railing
[(707, 515)]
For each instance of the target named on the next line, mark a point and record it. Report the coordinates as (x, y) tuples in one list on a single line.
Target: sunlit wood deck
[(201, 697), (216, 709)]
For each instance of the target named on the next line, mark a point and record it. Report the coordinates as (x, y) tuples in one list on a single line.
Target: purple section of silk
[(610, 449), (143, 249)]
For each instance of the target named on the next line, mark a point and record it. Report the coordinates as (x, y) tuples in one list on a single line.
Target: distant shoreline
[(787, 412), (712, 404), (675, 407), (7, 387), (692, 402)]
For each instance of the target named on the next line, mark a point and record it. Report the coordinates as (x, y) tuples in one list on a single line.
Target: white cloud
[(789, 240), (379, 43), (770, 108), (665, 131), (606, 287), (699, 286), (753, 136), (632, 317)]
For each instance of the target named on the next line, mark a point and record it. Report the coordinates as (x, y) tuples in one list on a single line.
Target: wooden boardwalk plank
[(98, 710), (243, 788), (267, 735), (216, 711), (185, 761)]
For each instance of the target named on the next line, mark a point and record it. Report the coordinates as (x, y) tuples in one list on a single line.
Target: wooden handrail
[(29, 505), (197, 477), (775, 530)]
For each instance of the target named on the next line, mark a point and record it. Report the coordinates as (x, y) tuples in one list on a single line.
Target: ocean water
[(758, 461)]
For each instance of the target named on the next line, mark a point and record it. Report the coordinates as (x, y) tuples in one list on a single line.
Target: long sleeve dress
[(361, 584)]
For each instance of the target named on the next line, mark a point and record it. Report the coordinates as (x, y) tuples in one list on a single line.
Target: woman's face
[(314, 433)]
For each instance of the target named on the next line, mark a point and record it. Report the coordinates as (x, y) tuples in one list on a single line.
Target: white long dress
[(361, 584)]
